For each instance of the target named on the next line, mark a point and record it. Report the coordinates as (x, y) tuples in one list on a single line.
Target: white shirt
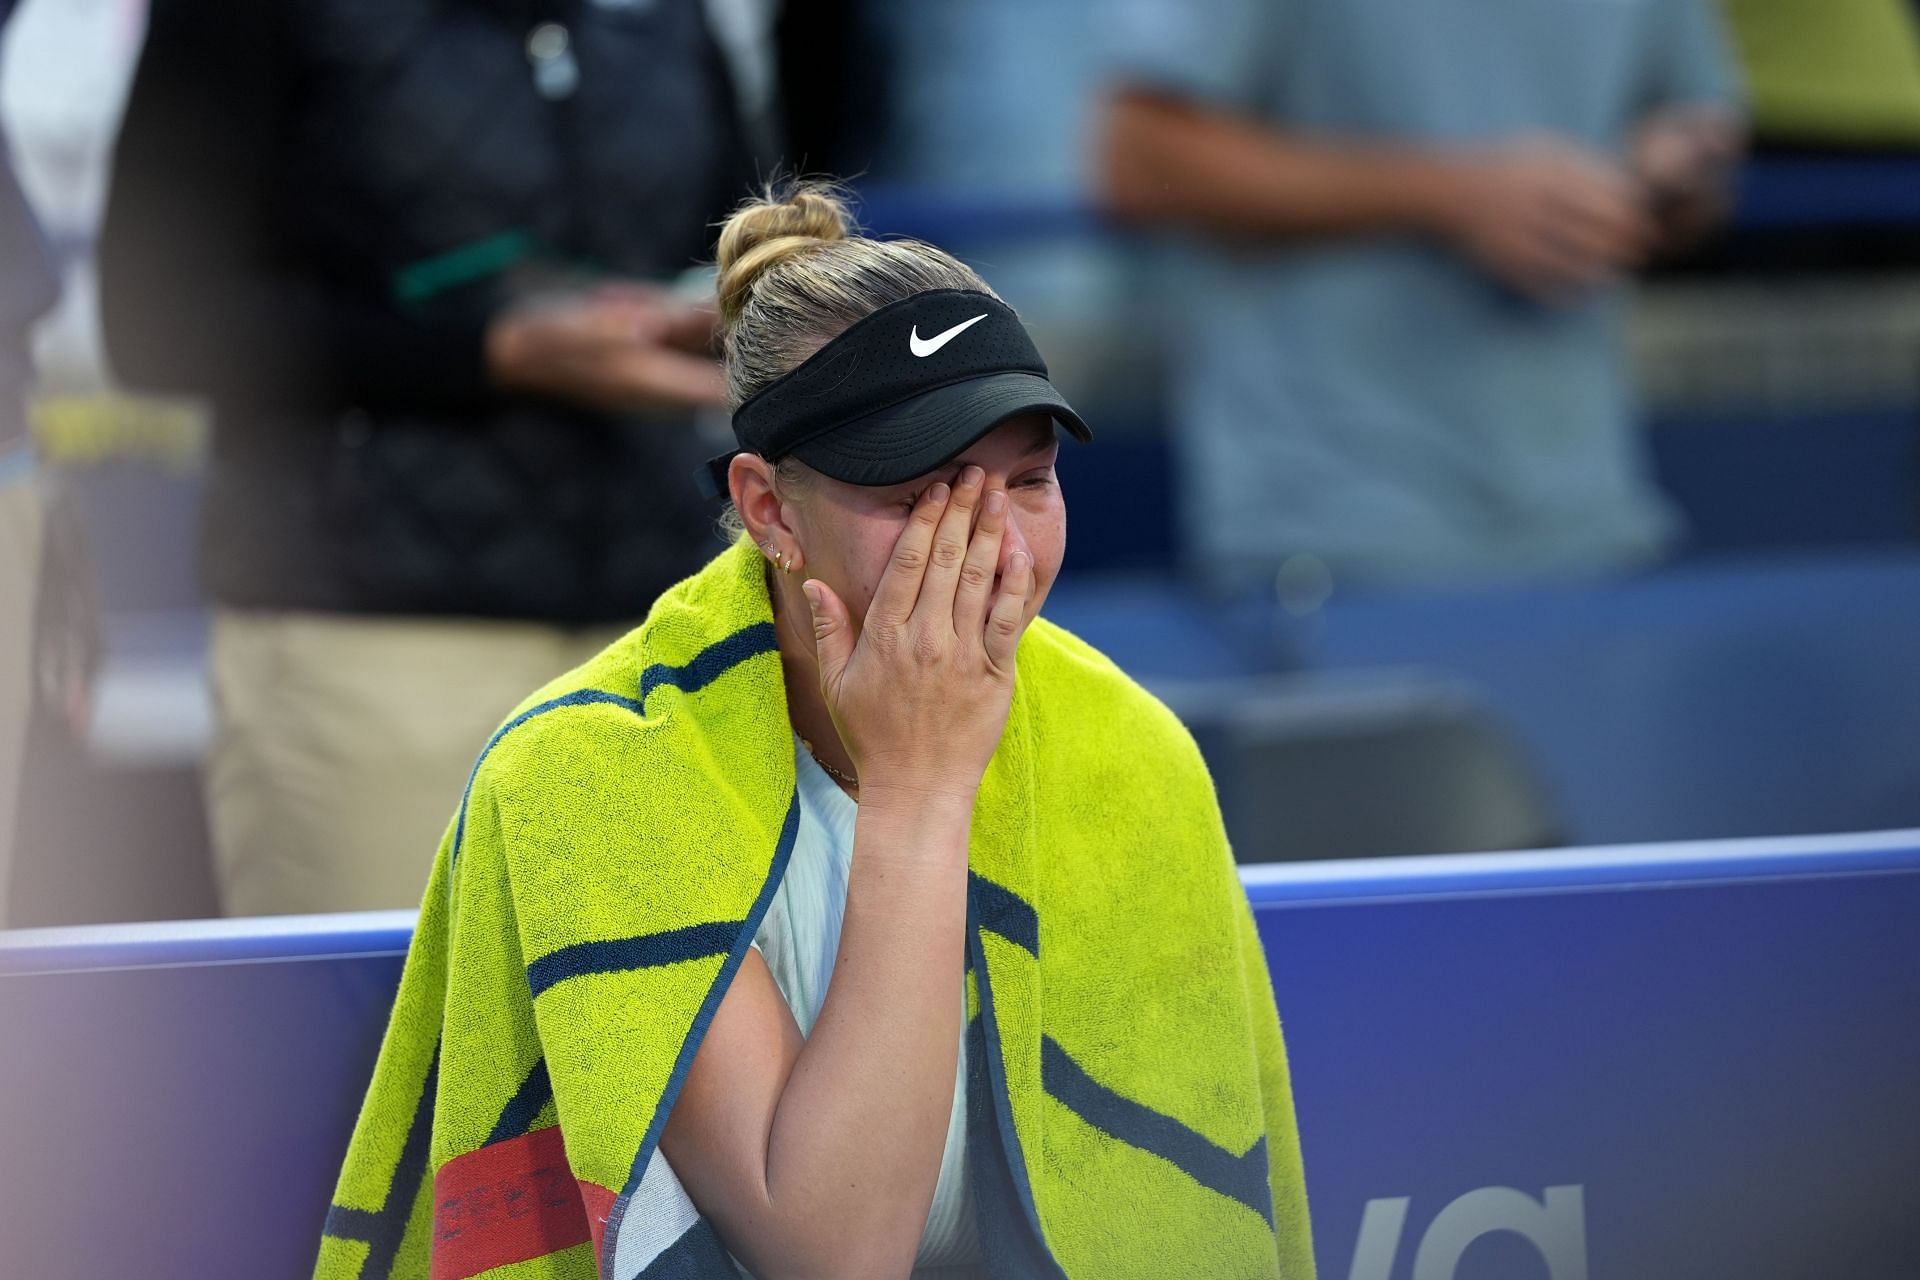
[(799, 938)]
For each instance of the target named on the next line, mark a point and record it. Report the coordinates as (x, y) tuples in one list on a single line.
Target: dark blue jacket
[(315, 210)]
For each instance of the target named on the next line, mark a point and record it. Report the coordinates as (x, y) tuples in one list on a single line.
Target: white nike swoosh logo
[(924, 347)]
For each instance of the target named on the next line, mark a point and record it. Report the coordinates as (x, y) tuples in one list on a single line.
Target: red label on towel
[(506, 1203)]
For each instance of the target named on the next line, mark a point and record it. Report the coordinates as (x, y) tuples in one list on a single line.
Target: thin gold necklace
[(832, 772)]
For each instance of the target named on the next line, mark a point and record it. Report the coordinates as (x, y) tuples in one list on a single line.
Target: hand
[(686, 324), (618, 347), (1684, 158), (1547, 218), (920, 697)]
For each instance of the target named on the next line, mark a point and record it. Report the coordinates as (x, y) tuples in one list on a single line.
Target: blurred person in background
[(28, 289), (401, 249), (1395, 338)]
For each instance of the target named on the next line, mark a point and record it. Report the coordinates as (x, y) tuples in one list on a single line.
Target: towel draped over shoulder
[(619, 841)]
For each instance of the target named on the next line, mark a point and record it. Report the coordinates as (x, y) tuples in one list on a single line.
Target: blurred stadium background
[(1712, 1044), (1762, 683)]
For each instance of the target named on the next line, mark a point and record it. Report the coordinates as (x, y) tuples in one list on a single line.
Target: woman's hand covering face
[(920, 691)]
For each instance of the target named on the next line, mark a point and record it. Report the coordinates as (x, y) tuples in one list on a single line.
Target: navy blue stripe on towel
[(1002, 911), (782, 850), (518, 1115), (382, 1229), (618, 955), (1009, 1243), (696, 1255), (578, 698), (706, 666), (711, 662), (351, 1224), (1242, 1178)]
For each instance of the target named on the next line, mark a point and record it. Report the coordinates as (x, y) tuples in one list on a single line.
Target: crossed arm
[(1543, 215)]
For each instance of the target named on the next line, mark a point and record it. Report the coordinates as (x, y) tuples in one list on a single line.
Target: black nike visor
[(901, 392)]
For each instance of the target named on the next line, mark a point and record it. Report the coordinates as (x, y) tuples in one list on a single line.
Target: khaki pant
[(20, 526), (342, 745)]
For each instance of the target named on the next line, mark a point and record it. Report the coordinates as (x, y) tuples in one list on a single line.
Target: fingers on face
[(949, 550), (971, 598), (900, 584), (1009, 615), (944, 566)]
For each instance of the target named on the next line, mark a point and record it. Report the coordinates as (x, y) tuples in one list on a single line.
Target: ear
[(750, 483)]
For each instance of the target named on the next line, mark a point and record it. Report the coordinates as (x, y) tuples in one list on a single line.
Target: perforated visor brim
[(895, 444)]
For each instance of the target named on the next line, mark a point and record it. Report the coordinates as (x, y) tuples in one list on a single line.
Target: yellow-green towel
[(1129, 1109)]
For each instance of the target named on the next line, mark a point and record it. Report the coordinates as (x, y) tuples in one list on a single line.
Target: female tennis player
[(845, 919)]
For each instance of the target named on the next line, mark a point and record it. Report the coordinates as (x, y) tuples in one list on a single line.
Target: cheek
[(863, 560), (1044, 533)]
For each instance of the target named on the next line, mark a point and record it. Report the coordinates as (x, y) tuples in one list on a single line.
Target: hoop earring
[(780, 558)]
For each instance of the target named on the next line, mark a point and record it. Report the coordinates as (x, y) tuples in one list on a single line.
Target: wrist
[(929, 799), (1438, 192)]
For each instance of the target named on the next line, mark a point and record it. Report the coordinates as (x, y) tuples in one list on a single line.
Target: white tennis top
[(799, 938)]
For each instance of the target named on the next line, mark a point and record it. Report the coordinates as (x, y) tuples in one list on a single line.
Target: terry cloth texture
[(618, 844)]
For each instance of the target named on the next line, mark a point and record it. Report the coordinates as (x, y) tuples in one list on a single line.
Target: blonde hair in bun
[(762, 232), (794, 274)]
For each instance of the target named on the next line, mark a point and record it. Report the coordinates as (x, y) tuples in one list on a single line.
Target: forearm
[(855, 1146), (1167, 161), (819, 1155)]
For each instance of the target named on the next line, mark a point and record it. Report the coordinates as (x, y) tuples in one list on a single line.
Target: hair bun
[(770, 229)]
